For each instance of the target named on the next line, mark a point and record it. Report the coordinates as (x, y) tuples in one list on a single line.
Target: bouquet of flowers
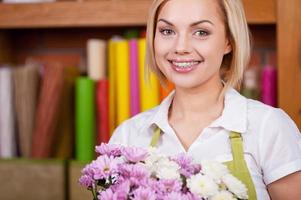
[(126, 173)]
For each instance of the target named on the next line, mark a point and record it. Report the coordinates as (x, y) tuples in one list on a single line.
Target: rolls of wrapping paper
[(47, 111), (149, 92), (85, 119), (96, 54), (269, 85), (164, 92), (26, 88), (122, 81), (102, 102), (64, 143), (134, 78), (7, 123), (112, 86)]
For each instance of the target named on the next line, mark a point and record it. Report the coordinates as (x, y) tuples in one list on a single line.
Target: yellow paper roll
[(122, 81), (149, 92), (112, 88)]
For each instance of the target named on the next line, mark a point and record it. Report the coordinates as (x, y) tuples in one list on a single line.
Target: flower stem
[(94, 194)]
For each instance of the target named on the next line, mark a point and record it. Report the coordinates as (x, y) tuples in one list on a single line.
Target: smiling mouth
[(184, 64)]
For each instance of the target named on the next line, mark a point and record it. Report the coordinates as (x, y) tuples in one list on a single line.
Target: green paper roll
[(85, 119)]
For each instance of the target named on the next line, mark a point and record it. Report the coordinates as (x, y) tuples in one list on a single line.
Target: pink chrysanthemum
[(165, 187), (87, 181), (107, 195), (188, 168), (104, 167), (109, 149), (134, 154), (144, 194), (135, 173)]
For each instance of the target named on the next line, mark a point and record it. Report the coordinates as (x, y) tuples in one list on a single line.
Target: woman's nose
[(182, 45)]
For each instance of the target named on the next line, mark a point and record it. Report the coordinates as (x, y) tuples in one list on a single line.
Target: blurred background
[(72, 71)]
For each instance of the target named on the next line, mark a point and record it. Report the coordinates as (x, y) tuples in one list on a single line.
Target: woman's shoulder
[(256, 109), (260, 111), (268, 118)]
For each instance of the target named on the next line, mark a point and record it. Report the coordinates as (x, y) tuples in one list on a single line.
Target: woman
[(202, 46)]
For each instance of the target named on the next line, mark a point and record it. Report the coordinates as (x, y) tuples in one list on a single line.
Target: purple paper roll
[(269, 86), (134, 78)]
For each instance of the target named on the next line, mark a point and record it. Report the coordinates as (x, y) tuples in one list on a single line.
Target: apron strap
[(156, 137), (238, 167), (236, 146)]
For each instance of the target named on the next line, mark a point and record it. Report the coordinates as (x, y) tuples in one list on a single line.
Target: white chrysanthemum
[(167, 169), (214, 169), (235, 186), (151, 163), (154, 156), (151, 150), (160, 166), (202, 185), (223, 195)]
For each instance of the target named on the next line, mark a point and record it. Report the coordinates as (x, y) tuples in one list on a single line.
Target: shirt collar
[(234, 115), (233, 118), (160, 118)]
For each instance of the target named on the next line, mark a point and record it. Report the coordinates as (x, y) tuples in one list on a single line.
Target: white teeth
[(184, 64)]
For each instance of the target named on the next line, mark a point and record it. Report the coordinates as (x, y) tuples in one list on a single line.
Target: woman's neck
[(190, 103), (194, 109)]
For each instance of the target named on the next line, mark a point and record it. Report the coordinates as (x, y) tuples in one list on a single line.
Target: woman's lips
[(184, 66)]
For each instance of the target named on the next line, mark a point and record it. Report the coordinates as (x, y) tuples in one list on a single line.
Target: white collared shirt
[(272, 143)]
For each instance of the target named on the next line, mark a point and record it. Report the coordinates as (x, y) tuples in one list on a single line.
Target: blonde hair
[(237, 31)]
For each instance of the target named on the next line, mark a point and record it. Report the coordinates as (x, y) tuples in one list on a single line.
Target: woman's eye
[(166, 31), (202, 33)]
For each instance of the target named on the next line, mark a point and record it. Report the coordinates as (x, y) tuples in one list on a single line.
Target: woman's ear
[(228, 47)]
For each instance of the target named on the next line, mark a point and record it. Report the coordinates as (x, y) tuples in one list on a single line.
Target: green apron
[(238, 166)]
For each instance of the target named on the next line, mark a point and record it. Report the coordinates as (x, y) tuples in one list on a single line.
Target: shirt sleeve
[(279, 146)]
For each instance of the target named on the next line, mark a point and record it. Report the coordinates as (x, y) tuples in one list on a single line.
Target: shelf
[(261, 11), (33, 179), (104, 13)]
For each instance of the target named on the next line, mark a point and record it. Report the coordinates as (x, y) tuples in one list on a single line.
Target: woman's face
[(190, 42)]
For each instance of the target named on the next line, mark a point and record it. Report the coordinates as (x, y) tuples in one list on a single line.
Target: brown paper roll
[(26, 88)]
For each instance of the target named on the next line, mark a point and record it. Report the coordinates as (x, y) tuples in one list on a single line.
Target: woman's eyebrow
[(165, 21), (202, 21), (193, 24)]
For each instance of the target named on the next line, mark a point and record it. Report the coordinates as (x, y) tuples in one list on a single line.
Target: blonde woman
[(202, 46)]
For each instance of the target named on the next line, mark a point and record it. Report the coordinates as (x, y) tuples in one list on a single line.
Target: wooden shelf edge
[(74, 14), (261, 11), (104, 13)]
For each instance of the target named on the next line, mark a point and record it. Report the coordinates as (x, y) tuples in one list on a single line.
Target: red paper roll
[(102, 103)]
